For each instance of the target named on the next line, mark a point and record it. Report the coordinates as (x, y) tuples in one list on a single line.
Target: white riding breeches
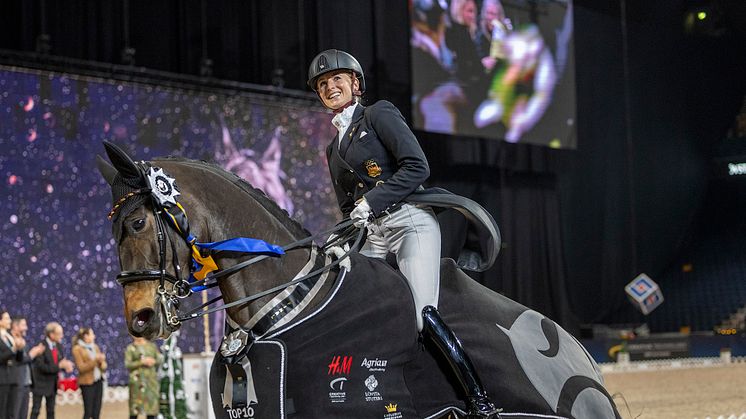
[(413, 235)]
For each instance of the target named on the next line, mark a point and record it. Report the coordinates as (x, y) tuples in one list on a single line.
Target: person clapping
[(46, 368), (91, 363)]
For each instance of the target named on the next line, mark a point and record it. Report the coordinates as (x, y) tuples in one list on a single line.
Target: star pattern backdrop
[(60, 259)]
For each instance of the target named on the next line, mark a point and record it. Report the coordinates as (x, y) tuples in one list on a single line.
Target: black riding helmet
[(331, 60)]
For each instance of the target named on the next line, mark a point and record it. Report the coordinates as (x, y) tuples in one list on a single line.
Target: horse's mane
[(257, 194)]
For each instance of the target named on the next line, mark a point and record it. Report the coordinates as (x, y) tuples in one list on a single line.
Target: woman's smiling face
[(336, 88)]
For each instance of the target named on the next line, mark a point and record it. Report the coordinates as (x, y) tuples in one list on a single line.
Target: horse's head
[(159, 256), (152, 276)]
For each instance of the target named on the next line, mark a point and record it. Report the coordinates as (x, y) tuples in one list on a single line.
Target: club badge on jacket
[(374, 170)]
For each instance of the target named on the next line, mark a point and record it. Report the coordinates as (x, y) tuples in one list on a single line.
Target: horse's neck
[(228, 212), (236, 213)]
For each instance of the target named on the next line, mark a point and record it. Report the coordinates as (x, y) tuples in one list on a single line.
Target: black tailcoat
[(8, 361), (379, 158)]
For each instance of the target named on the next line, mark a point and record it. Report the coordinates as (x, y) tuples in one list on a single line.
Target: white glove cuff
[(363, 205)]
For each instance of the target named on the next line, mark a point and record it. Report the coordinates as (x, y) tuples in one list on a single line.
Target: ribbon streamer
[(203, 265)]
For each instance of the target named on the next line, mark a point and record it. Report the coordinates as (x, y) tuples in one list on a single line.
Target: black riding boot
[(478, 405)]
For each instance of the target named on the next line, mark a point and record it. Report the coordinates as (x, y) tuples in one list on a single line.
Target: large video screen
[(60, 259), (500, 69)]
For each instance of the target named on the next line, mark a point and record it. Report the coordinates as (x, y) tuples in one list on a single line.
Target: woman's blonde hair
[(457, 14), (81, 332)]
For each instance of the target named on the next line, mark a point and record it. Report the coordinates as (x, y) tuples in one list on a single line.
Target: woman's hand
[(361, 214)]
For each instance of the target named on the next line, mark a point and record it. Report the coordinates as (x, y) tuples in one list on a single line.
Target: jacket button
[(360, 185), (349, 193)]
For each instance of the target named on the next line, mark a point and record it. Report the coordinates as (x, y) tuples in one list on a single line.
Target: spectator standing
[(91, 363), (46, 368), (10, 354), (18, 329), (142, 359), (494, 27), (468, 71)]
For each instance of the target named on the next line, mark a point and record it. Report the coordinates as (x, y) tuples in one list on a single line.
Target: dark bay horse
[(349, 347)]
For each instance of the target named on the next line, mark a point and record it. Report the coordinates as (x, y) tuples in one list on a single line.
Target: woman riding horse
[(376, 163), (290, 331)]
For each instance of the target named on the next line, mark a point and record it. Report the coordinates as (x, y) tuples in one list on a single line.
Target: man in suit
[(18, 329), (46, 368), (10, 355)]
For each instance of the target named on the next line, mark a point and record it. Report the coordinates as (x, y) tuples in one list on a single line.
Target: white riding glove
[(339, 250), (361, 213)]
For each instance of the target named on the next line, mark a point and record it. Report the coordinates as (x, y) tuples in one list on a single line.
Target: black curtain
[(517, 185)]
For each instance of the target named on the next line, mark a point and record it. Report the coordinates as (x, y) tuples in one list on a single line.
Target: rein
[(294, 245), (342, 238)]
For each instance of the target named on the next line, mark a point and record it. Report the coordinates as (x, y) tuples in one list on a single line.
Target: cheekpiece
[(163, 187)]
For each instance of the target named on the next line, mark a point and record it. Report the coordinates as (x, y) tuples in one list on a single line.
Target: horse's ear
[(121, 161), (107, 171)]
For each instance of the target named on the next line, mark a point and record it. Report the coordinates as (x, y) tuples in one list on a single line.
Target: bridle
[(169, 299), (180, 288)]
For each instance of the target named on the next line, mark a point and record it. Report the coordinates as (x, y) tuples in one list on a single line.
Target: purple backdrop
[(54, 235)]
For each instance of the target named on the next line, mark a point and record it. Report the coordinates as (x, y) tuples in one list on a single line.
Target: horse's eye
[(138, 225)]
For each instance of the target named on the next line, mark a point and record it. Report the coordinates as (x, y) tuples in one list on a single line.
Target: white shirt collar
[(343, 120)]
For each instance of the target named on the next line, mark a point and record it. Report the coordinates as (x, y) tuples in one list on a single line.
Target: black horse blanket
[(358, 356)]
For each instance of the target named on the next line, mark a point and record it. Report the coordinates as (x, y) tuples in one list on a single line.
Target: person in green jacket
[(142, 359)]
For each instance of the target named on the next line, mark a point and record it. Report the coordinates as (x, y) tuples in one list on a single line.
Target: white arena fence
[(625, 365), (111, 394)]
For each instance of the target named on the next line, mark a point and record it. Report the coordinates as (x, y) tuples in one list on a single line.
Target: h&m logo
[(340, 365)]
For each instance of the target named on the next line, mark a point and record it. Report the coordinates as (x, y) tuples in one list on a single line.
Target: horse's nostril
[(142, 318)]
